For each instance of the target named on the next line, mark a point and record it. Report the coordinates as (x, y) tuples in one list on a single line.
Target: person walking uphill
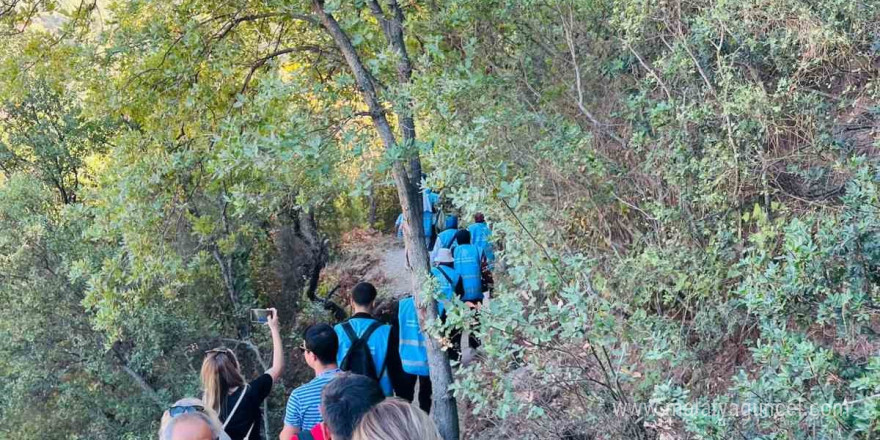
[(319, 348), (480, 235), (429, 200), (448, 279), (467, 264), (445, 239), (235, 401), (413, 355), (366, 346)]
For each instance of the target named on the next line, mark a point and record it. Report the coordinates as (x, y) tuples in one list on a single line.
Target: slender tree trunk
[(371, 219), (445, 411)]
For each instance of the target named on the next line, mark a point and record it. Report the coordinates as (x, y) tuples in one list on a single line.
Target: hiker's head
[(362, 296), (319, 346), (396, 419), (478, 218), (345, 400), (451, 222), (190, 419), (463, 237), (220, 373)]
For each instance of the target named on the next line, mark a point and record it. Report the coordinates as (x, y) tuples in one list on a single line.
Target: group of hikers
[(366, 370), (357, 368)]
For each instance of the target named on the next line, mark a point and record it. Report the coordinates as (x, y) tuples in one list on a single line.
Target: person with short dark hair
[(467, 263), (345, 400), (319, 347), (480, 236), (382, 342)]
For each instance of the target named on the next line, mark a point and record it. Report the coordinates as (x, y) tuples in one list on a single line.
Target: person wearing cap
[(412, 345), (447, 277), (445, 239)]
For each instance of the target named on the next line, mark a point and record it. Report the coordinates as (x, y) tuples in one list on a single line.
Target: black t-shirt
[(249, 412)]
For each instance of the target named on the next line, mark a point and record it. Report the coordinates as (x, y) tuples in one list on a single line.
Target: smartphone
[(260, 316)]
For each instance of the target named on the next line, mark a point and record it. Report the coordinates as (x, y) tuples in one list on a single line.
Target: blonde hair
[(208, 416), (220, 373), (396, 419)]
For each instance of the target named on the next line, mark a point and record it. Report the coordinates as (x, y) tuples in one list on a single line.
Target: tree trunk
[(445, 411)]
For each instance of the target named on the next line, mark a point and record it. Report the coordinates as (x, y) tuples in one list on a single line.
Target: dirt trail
[(394, 268)]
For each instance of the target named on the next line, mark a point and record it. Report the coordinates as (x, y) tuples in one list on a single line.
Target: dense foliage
[(684, 197)]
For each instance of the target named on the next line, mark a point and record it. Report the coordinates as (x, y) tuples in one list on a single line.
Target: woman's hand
[(277, 350), (272, 319)]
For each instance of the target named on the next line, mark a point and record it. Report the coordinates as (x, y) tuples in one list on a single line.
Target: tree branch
[(141, 382), (250, 346), (235, 22), (569, 39), (262, 61)]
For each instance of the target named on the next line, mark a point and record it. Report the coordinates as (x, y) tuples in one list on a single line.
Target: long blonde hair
[(396, 419), (220, 373)]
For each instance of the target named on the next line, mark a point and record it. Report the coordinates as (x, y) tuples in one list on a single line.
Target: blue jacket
[(378, 344), (413, 349), (446, 238), (447, 289), (480, 234), (428, 216), (467, 264)]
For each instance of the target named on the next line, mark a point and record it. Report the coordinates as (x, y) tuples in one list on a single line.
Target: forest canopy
[(684, 196)]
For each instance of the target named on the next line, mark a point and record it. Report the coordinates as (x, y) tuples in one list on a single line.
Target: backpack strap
[(366, 337), (369, 331), (445, 275), (349, 331)]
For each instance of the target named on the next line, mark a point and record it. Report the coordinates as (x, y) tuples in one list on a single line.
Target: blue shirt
[(304, 405)]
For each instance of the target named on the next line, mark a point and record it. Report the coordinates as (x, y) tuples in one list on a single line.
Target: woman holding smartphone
[(238, 402)]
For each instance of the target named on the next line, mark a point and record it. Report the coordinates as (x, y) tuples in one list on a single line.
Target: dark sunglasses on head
[(175, 411), (219, 350)]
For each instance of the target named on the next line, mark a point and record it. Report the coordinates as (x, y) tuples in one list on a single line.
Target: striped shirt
[(304, 405)]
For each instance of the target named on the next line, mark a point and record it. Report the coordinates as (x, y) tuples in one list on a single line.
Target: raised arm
[(277, 349)]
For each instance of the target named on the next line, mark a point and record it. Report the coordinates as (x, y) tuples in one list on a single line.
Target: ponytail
[(220, 373)]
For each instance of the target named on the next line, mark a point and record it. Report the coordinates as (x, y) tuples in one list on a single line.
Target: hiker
[(303, 412), (235, 401), (480, 235), (429, 200), (445, 239), (467, 264), (399, 225), (447, 277), (343, 402), (190, 419), (395, 419), (450, 284), (413, 355), (366, 345)]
